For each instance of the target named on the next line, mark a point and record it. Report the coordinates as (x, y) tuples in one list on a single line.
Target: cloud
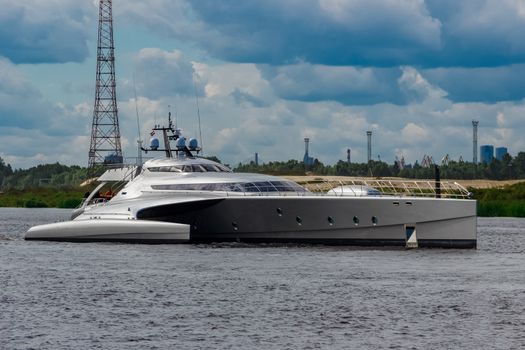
[(244, 97), (53, 31), (20, 102), (23, 106), (323, 32), (12, 83), (417, 89), (318, 31), (352, 85), (478, 34), (163, 73), (430, 124), (378, 33), (412, 132), (487, 84), (243, 82), (234, 128), (348, 85)]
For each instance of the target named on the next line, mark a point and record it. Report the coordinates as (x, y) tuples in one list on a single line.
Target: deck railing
[(387, 187)]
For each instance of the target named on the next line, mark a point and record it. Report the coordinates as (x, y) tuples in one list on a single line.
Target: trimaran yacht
[(182, 198)]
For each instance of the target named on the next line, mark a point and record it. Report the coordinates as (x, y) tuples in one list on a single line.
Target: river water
[(235, 296)]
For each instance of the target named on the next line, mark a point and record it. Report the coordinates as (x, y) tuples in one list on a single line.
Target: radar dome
[(193, 144), (181, 142), (154, 143)]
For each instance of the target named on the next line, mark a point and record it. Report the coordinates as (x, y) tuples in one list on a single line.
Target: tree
[(518, 165), (5, 171)]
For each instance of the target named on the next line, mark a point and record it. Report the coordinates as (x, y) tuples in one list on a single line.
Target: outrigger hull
[(111, 230)]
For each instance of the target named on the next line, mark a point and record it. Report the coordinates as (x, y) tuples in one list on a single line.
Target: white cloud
[(414, 134), (500, 119), (45, 31), (162, 73)]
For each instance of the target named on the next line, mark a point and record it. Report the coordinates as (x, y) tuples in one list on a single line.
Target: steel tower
[(475, 141), (105, 145)]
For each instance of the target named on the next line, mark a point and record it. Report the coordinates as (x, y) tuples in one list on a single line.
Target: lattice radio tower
[(105, 145)]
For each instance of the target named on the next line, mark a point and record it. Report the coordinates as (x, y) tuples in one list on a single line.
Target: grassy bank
[(41, 198), (513, 208), (505, 201)]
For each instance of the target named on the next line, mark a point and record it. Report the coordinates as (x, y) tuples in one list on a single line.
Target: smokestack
[(306, 142), (475, 141), (369, 153)]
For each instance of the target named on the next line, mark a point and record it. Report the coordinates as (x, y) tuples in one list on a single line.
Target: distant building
[(486, 153), (500, 152)]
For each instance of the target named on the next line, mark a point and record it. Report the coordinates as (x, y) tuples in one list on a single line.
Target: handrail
[(386, 187)]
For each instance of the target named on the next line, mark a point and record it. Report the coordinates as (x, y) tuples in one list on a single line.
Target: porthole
[(374, 220), (356, 220), (279, 212), (331, 221), (235, 226), (299, 220)]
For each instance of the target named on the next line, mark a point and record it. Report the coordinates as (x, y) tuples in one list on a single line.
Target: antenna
[(198, 111)]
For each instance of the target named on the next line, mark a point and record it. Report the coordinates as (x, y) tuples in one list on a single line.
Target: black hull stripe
[(430, 243)]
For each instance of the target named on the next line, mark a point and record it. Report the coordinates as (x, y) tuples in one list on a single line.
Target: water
[(234, 296)]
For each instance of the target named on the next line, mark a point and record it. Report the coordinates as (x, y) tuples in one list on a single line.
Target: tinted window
[(257, 187)]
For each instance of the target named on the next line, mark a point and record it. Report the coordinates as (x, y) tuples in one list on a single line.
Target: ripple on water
[(235, 296)]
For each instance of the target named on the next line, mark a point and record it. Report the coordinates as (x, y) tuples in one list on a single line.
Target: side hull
[(107, 230)]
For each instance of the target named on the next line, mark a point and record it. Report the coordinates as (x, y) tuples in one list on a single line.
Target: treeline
[(46, 175), (508, 168)]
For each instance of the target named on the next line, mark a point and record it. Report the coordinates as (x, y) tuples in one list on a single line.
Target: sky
[(267, 74)]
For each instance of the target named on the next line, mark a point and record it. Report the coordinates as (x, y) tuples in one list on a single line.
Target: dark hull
[(324, 220)]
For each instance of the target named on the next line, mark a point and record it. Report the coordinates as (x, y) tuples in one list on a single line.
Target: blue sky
[(269, 73)]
